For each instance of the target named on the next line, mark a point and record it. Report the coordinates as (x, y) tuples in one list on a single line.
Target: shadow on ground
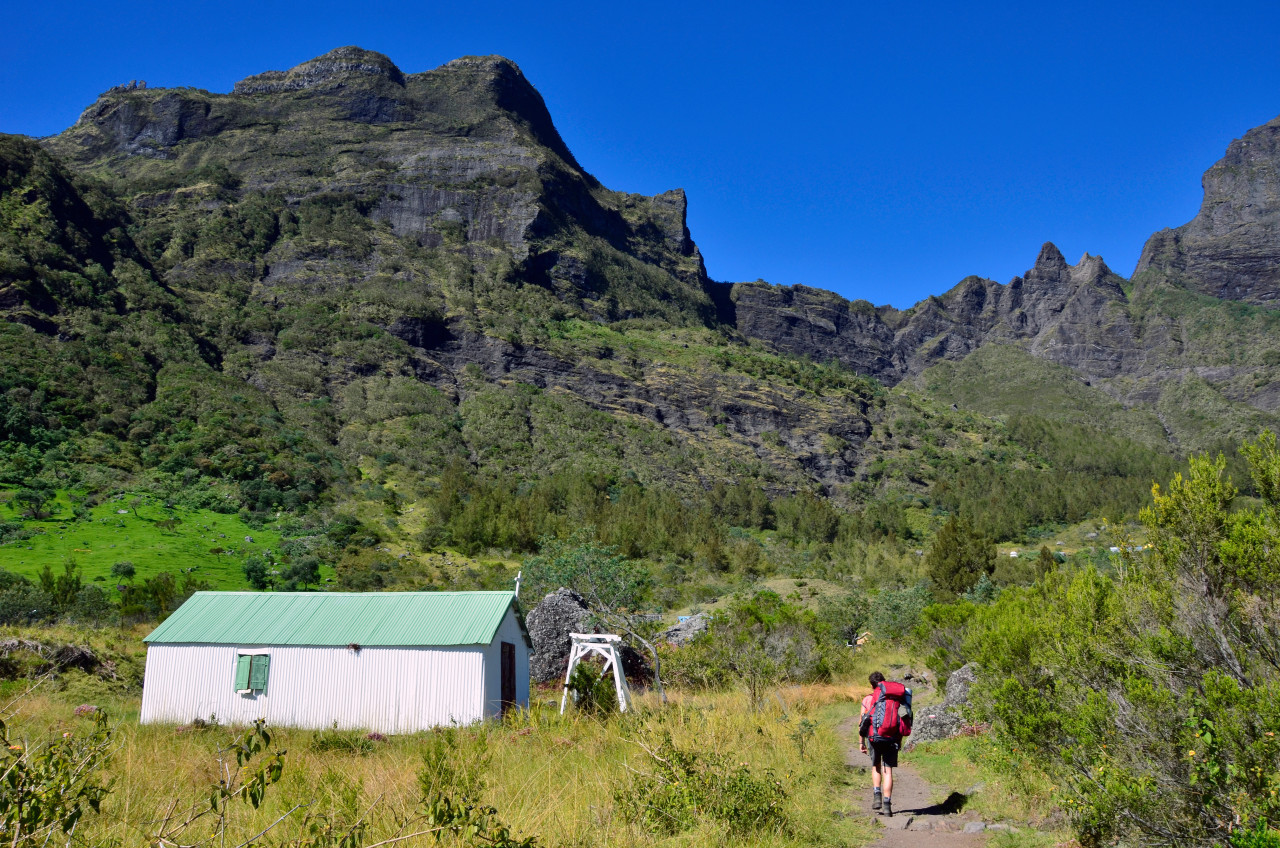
[(954, 803)]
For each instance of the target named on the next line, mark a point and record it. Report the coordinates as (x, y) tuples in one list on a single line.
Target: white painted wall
[(390, 690), (508, 631)]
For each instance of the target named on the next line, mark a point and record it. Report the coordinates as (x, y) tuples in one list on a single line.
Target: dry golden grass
[(548, 775)]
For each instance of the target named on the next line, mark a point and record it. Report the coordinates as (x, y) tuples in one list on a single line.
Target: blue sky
[(883, 151)]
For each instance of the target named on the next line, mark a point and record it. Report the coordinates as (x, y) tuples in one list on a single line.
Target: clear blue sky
[(883, 151)]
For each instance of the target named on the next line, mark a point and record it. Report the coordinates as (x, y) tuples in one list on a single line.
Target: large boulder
[(557, 615), (945, 720)]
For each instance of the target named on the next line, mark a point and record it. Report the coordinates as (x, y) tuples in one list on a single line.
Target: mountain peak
[(1229, 249), (1050, 259), (1090, 270), (327, 71), (499, 81), (493, 63)]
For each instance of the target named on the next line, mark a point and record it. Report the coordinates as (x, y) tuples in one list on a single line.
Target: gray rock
[(898, 822), (974, 827), (556, 616), (686, 631), (945, 720), (1229, 250)]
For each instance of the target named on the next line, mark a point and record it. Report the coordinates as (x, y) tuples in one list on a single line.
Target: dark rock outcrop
[(945, 720), (1231, 249), (556, 616), (818, 324), (330, 70), (1071, 314)]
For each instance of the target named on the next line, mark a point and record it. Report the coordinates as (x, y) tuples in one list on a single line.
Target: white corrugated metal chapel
[(393, 662)]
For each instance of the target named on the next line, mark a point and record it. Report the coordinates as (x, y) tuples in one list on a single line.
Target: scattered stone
[(686, 631), (1003, 828), (974, 827), (898, 822), (8, 646)]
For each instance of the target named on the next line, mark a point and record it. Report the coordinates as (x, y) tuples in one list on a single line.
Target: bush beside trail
[(1150, 696)]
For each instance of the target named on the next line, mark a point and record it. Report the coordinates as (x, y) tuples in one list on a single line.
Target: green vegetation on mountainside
[(210, 545), (999, 380)]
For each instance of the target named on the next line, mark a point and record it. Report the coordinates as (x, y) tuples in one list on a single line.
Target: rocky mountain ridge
[(414, 266)]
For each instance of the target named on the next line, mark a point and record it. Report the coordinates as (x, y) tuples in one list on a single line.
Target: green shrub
[(452, 765), (686, 786), (1150, 696), (592, 692), (48, 786), (895, 613), (1260, 836)]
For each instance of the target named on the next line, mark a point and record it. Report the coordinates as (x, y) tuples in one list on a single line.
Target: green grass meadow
[(210, 545)]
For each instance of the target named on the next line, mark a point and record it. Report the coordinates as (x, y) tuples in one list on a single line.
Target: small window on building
[(251, 672)]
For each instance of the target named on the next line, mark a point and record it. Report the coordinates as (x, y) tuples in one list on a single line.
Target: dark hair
[(876, 679)]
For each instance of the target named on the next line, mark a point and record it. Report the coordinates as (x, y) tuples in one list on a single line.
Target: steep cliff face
[(342, 236), (1075, 315), (813, 323), (349, 238), (466, 153), (1231, 249)]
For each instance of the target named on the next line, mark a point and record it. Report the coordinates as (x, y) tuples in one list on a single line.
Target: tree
[(1224, 561), (1046, 562), (764, 639), (258, 573), (62, 588), (612, 585), (123, 570), (34, 495), (959, 556), (301, 573)]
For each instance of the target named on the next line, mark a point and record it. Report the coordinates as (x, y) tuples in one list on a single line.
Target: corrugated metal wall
[(508, 631), (390, 690)]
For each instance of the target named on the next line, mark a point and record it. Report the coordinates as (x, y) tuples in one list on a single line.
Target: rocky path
[(923, 814)]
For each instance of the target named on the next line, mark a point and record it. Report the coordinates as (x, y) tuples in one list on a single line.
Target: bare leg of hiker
[(886, 784), (875, 786), (884, 754)]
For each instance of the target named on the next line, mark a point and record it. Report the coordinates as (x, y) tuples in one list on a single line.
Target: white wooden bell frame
[(604, 645)]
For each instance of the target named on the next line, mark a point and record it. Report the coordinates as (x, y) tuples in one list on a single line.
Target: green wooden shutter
[(258, 672), (242, 672)]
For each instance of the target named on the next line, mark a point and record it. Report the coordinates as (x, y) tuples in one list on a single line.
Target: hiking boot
[(875, 801), (888, 808)]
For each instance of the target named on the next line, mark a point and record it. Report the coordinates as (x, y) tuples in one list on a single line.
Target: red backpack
[(891, 712)]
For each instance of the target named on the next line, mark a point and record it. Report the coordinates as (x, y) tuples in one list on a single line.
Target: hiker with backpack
[(885, 720)]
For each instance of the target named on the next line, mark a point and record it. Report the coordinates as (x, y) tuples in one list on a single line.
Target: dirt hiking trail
[(923, 814)]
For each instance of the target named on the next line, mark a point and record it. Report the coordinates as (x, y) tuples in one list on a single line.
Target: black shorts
[(884, 752)]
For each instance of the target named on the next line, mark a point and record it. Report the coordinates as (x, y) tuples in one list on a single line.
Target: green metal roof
[(336, 618)]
